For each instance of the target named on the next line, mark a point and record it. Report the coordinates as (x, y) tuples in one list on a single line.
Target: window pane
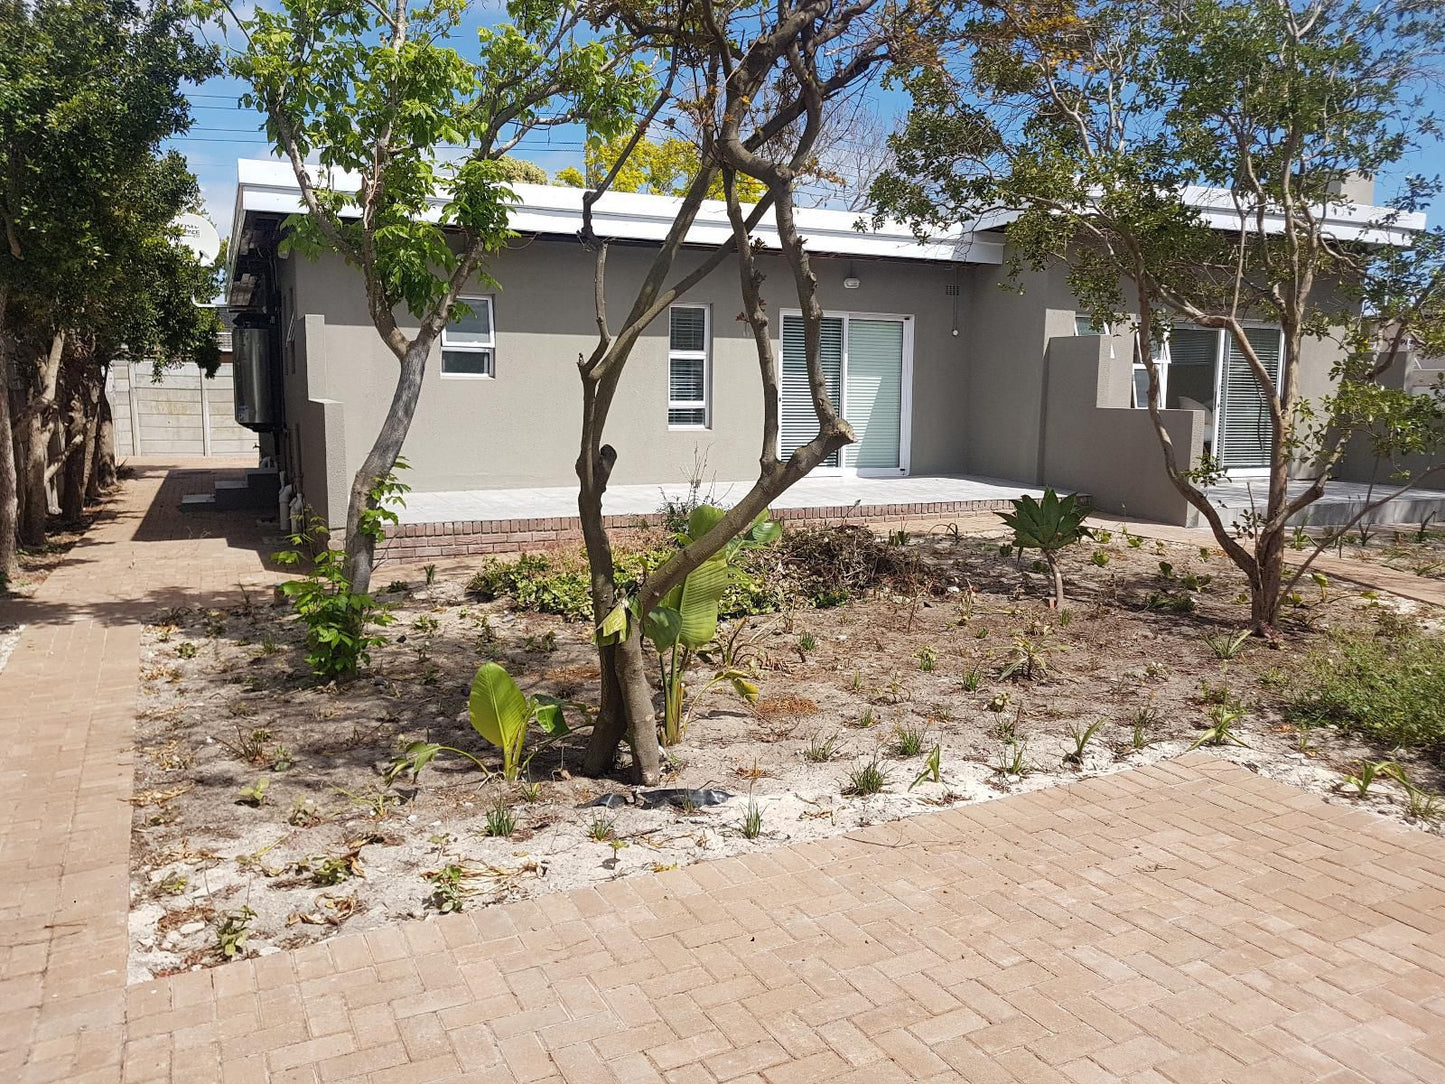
[(1083, 325), (1141, 387), (696, 417), (467, 362), (474, 329), (686, 380), (689, 328)]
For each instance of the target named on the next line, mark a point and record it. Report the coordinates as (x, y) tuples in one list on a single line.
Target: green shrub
[(337, 619), (1390, 688)]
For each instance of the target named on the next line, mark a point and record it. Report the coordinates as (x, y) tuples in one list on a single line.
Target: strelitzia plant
[(686, 620), (501, 714)]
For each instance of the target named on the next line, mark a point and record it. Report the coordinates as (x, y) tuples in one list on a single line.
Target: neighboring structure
[(939, 369)]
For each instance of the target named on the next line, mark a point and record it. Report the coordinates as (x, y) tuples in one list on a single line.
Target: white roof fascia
[(269, 186), (1216, 207)]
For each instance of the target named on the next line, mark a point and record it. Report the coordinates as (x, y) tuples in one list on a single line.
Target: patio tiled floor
[(811, 492), (1186, 922)]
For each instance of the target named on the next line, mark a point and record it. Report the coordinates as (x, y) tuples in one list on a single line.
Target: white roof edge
[(269, 185), (1342, 221)]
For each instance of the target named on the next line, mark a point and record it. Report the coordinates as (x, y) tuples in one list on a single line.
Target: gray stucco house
[(940, 371)]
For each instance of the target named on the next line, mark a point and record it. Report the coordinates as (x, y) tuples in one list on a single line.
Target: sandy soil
[(227, 701)]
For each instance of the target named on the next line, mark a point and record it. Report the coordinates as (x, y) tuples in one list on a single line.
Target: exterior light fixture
[(852, 282)]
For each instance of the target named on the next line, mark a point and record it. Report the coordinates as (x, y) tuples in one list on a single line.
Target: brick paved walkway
[(1186, 922)]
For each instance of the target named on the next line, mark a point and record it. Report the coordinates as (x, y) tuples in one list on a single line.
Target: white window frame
[(705, 356), (489, 347)]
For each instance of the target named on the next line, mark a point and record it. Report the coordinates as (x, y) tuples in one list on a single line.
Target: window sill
[(468, 376), (689, 428)]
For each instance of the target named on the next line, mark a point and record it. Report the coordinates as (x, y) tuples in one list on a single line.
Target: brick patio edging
[(455, 538)]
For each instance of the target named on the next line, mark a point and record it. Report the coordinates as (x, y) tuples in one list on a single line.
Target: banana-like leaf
[(614, 625), (702, 592), (765, 531), (496, 707), (744, 687), (550, 720), (664, 625), (703, 519)]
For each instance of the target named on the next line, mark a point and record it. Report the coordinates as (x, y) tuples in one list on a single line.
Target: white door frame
[(905, 402)]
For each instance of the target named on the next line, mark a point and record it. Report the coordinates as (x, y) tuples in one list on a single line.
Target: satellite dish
[(198, 235)]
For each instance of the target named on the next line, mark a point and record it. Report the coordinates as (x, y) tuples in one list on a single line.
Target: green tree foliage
[(521, 171), (1093, 120), (664, 168), (88, 90), (395, 137)]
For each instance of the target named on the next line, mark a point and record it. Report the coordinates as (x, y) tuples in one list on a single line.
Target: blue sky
[(223, 132)]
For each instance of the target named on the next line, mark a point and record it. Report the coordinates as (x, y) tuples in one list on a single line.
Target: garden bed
[(879, 681)]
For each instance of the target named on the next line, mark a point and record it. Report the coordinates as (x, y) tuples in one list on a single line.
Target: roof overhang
[(1342, 221), (268, 187)]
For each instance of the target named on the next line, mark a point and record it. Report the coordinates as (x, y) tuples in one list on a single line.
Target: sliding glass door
[(867, 365), (1203, 369)]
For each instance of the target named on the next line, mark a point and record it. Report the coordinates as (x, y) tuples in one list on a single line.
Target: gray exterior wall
[(1013, 395), (1007, 331), (521, 428), (1096, 443)]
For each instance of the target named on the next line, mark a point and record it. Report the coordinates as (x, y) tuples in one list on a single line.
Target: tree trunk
[(80, 444), (34, 457), (9, 568), (1266, 587), (102, 471), (36, 430), (361, 536), (1058, 574), (626, 707)]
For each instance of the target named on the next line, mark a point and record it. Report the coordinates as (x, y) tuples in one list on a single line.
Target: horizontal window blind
[(1246, 428)]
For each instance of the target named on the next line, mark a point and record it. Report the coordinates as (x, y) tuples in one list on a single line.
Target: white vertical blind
[(874, 392), (1246, 427), (798, 423)]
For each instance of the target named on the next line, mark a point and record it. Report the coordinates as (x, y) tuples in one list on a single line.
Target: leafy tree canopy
[(413, 129), (664, 168), (88, 90)]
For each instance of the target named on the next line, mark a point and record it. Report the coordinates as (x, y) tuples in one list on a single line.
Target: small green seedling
[(255, 794), (753, 821), (1225, 645), (933, 770), (1369, 771), (1081, 737), (1221, 732), (500, 822), (821, 749), (867, 779), (233, 932), (908, 739)]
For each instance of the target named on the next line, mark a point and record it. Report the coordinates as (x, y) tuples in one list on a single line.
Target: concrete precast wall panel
[(184, 413)]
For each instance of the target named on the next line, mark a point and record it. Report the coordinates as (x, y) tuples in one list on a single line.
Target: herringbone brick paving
[(1186, 922)]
